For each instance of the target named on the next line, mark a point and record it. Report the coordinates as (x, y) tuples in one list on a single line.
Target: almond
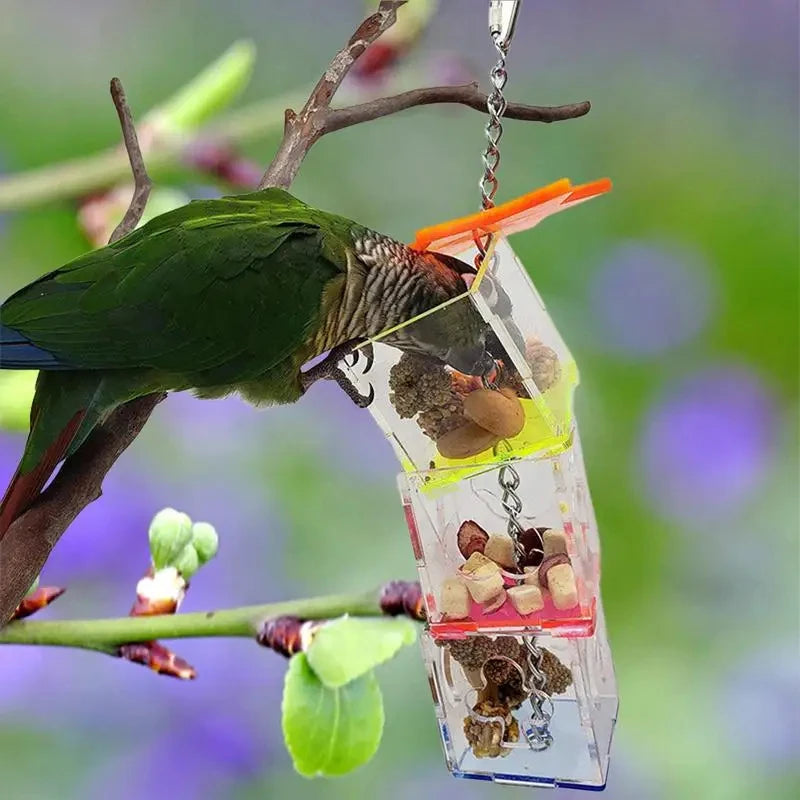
[(498, 412), (466, 441)]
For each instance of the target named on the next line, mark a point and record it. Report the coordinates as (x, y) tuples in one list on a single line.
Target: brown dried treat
[(472, 651), (418, 383), (487, 738), (548, 563), (422, 386), (499, 670), (544, 364), (509, 647), (558, 677), (531, 541), (471, 538), (436, 422)]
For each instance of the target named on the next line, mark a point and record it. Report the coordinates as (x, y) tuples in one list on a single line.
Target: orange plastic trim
[(511, 217)]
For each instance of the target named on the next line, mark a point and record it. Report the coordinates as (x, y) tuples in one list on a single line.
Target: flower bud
[(170, 532), (205, 541), (187, 563), (34, 586)]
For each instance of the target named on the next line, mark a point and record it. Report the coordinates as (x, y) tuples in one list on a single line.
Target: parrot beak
[(473, 360)]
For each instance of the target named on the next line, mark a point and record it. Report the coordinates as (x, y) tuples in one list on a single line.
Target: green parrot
[(220, 296)]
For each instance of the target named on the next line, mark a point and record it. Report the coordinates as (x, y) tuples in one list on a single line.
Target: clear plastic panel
[(482, 688), (471, 577), (429, 397)]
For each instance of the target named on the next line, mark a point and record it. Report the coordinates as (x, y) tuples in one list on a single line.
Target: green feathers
[(214, 293)]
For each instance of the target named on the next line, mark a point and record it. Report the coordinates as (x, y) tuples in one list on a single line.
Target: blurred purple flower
[(187, 761), (708, 443), (646, 300), (760, 698), (100, 540), (229, 429)]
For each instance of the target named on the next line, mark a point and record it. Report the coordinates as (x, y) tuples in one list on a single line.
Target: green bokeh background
[(694, 119)]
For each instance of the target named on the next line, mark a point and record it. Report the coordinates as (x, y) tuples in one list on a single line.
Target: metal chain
[(538, 734), (501, 30), (496, 106)]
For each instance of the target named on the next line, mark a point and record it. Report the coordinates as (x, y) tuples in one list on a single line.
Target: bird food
[(476, 573), (492, 691)]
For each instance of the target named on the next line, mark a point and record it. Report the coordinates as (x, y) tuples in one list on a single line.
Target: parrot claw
[(361, 400), (328, 369), (369, 353), (352, 358)]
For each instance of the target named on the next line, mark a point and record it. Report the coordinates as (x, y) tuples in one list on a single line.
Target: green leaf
[(346, 648), (329, 731), (204, 96)]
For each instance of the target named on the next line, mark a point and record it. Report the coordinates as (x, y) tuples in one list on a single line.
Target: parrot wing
[(218, 289)]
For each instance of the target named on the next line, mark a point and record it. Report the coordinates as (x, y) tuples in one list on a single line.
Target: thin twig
[(107, 635), (302, 130), (141, 180), (467, 95), (31, 538)]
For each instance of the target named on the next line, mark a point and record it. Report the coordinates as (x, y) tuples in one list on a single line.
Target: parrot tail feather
[(25, 488)]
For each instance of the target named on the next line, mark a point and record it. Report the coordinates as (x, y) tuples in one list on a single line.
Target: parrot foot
[(328, 369)]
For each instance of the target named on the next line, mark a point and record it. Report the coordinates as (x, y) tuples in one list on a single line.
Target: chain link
[(496, 106), (538, 732)]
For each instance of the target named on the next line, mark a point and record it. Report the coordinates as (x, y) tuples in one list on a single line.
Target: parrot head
[(455, 334)]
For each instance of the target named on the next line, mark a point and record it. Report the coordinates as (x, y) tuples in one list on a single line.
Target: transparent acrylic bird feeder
[(474, 575), (521, 710), (429, 373)]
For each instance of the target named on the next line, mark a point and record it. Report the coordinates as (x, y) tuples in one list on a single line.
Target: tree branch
[(467, 95), (265, 623), (303, 129), (141, 180), (107, 635)]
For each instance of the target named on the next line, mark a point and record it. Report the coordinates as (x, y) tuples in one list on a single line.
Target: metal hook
[(502, 19)]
